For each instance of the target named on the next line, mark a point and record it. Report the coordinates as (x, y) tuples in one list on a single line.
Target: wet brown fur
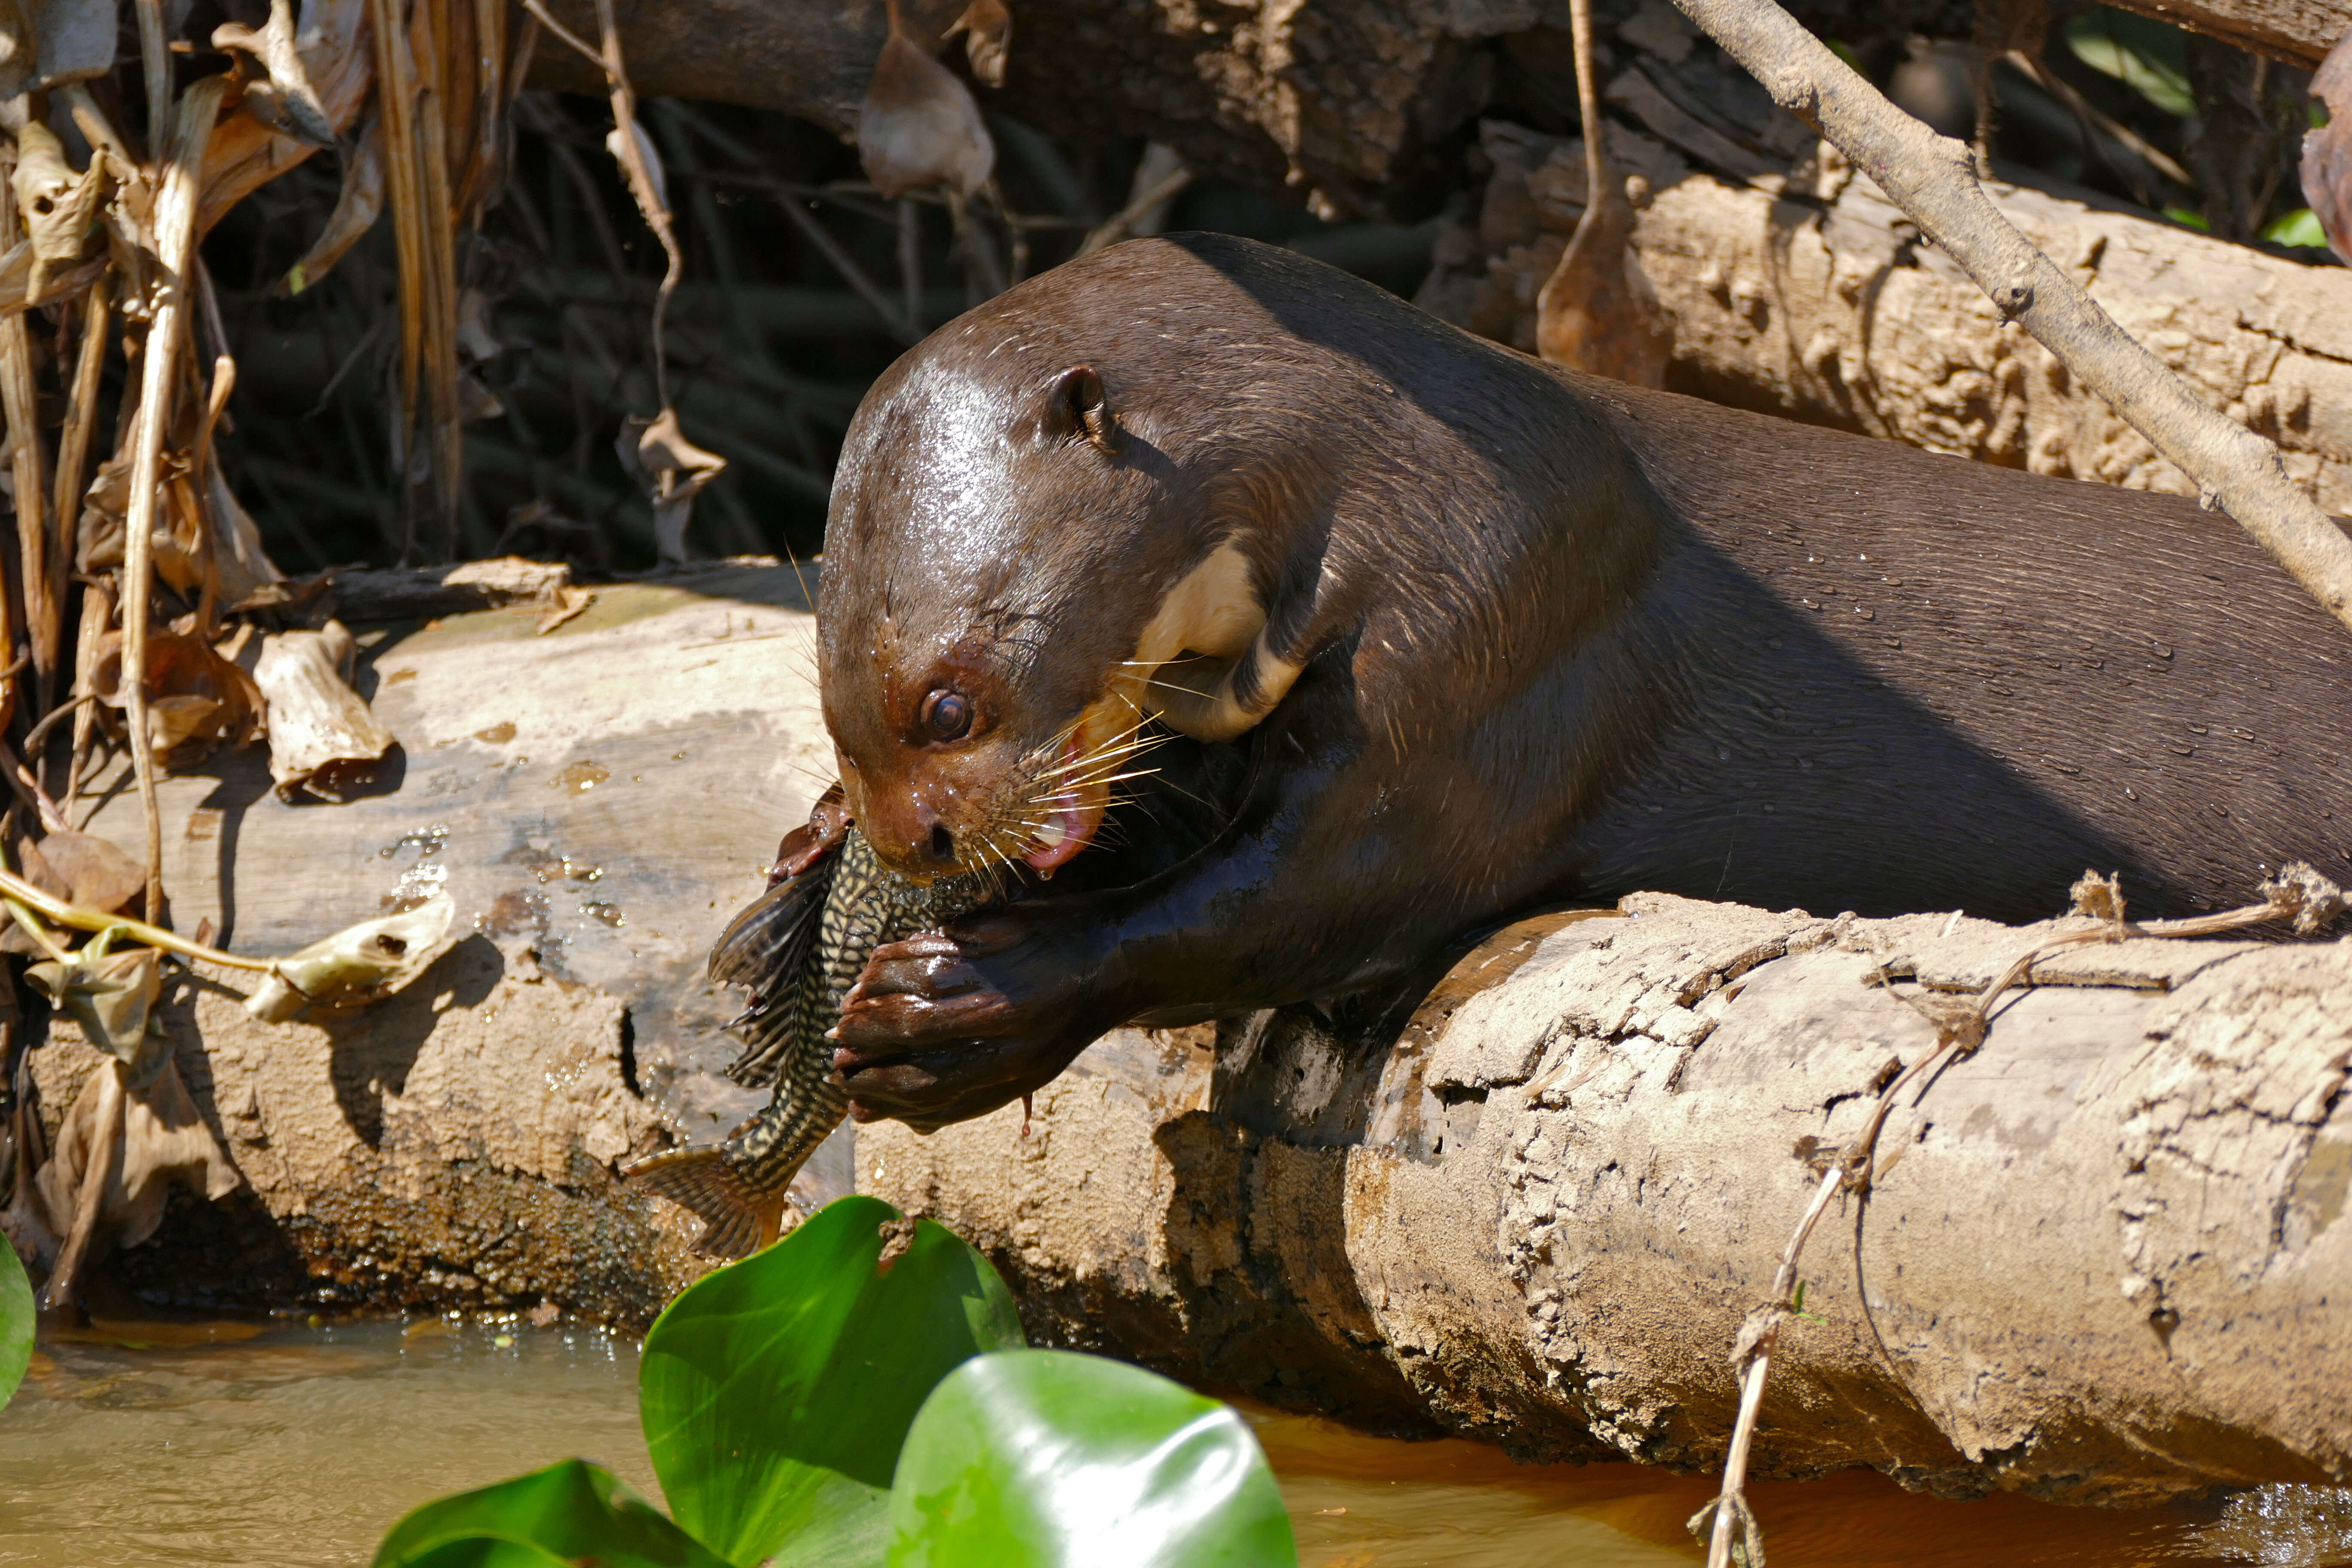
[(1564, 639)]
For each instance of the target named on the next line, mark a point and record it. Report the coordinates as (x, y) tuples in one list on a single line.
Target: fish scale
[(799, 978)]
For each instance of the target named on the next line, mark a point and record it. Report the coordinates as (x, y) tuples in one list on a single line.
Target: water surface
[(296, 1446)]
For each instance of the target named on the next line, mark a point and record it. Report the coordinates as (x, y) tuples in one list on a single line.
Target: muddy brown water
[(296, 1445)]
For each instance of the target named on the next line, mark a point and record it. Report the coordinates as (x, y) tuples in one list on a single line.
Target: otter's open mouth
[(1067, 823)]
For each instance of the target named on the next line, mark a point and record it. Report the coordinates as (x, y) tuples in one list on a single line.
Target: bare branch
[(1932, 178)]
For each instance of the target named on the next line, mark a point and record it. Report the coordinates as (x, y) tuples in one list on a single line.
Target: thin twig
[(76, 917), (20, 398), (73, 455), (1930, 177), (1757, 1339), (2299, 897), (174, 243), (155, 70)]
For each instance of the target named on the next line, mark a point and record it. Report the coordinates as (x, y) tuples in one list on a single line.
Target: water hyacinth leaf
[(358, 961), (16, 1321), (571, 1513), (775, 1392), (1054, 1459), (109, 996), (487, 1553)]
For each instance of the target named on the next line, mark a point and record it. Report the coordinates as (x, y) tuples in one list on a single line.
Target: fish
[(797, 948)]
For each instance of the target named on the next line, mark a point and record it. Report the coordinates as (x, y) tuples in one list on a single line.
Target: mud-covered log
[(2107, 1258), (1802, 291)]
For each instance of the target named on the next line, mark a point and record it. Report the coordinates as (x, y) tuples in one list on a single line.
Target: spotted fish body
[(798, 948)]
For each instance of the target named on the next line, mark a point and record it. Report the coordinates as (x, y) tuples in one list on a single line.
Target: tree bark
[(2107, 1265)]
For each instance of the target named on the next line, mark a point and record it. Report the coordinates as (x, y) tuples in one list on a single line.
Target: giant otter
[(1490, 634)]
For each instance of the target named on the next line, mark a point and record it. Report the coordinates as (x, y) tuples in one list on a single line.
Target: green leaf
[(775, 1392), (2144, 56), (1047, 1459), (16, 1321), (2300, 227), (568, 1512), (483, 1552)]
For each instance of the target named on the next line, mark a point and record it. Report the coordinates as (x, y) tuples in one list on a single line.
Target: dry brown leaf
[(240, 564), (280, 96), (196, 697), (323, 740), (245, 153), (1595, 312), (85, 869), (672, 471), (58, 206), (165, 1141), (80, 869), (357, 206), (2328, 150), (987, 29), (919, 126), (16, 267), (357, 963), (109, 997), (569, 602)]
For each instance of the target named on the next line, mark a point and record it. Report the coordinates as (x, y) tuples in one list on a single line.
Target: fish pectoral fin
[(770, 938), (735, 1222)]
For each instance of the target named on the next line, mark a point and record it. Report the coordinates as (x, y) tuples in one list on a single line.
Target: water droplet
[(596, 910), (580, 778)]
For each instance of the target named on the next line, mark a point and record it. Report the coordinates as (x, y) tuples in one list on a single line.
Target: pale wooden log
[(1804, 294), (2108, 1267), (597, 800)]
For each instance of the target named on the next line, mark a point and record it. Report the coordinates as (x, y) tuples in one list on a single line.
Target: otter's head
[(1040, 540)]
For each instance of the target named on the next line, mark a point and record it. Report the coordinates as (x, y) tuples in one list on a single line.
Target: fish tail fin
[(735, 1222)]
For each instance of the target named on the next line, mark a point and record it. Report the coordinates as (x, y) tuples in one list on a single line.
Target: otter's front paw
[(942, 1027)]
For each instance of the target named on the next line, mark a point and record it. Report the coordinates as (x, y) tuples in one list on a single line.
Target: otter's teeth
[(1052, 835)]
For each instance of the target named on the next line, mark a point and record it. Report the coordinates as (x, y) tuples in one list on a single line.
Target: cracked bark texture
[(1802, 292), (2109, 1265)]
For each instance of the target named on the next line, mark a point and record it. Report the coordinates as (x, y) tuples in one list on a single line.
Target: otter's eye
[(947, 714)]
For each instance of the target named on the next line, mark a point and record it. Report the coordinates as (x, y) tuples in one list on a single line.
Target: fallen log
[(1344, 103), (1802, 292), (597, 792), (2105, 1261), (2107, 1264)]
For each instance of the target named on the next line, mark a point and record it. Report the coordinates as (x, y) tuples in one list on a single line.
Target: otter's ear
[(1077, 407)]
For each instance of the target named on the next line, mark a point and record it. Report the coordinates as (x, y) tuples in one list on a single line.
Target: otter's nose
[(940, 846)]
